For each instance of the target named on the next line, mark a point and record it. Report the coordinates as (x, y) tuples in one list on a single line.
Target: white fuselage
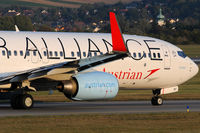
[(153, 63)]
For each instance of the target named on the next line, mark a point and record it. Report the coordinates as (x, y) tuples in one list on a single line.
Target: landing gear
[(22, 101), (156, 99)]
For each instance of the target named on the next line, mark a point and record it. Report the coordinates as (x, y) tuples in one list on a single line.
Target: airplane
[(89, 66)]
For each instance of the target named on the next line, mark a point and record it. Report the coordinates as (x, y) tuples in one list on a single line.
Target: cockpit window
[(181, 53)]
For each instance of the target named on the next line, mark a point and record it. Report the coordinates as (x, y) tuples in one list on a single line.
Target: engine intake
[(68, 87)]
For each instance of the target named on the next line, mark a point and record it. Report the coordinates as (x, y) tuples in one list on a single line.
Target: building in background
[(161, 18)]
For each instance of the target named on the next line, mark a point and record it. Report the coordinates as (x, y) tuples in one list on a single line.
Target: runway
[(102, 107)]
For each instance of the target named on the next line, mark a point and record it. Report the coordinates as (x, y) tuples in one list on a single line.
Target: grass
[(191, 50), (113, 123)]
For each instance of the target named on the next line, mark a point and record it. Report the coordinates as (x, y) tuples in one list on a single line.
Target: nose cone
[(195, 69)]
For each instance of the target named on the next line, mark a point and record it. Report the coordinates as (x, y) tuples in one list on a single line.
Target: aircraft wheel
[(22, 101), (15, 101), (156, 100), (26, 101)]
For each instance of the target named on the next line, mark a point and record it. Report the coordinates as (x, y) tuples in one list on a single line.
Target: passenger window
[(84, 54), (3, 53), (78, 54), (45, 53), (149, 55), (139, 54), (56, 53), (61, 53), (15, 53), (50, 53), (144, 55), (9, 53), (72, 53), (154, 55), (27, 53), (89, 54), (158, 55), (34, 53), (134, 54), (21, 53)]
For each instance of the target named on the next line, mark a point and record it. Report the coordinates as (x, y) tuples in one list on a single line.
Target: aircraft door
[(167, 58)]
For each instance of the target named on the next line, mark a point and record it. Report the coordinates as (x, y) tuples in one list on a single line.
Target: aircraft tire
[(157, 100), (22, 101), (26, 101), (15, 101)]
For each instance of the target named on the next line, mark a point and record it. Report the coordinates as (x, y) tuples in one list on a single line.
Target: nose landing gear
[(156, 99)]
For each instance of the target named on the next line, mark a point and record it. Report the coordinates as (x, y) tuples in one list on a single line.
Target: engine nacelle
[(90, 86)]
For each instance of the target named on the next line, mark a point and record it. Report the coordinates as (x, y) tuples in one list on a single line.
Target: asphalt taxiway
[(102, 107)]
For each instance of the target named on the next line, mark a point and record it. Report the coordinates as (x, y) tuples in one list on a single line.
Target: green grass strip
[(112, 123)]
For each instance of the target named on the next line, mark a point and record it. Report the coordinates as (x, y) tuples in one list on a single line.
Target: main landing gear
[(21, 101), (19, 98), (156, 99)]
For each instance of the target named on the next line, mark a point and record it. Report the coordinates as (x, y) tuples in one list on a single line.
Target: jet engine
[(90, 86)]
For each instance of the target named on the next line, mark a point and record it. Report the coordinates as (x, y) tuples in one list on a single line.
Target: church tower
[(161, 18)]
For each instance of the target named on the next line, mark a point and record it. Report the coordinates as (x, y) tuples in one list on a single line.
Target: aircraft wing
[(64, 70)]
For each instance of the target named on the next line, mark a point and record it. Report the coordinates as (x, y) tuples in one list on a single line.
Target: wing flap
[(61, 70)]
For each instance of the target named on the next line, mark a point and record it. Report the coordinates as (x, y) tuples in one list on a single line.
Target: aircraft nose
[(195, 69)]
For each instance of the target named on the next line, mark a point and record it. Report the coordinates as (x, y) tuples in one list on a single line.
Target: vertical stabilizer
[(117, 38)]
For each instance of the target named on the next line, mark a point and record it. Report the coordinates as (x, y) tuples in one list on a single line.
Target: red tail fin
[(117, 38)]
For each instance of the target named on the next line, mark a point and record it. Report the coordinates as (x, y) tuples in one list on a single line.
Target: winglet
[(16, 28), (117, 38)]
